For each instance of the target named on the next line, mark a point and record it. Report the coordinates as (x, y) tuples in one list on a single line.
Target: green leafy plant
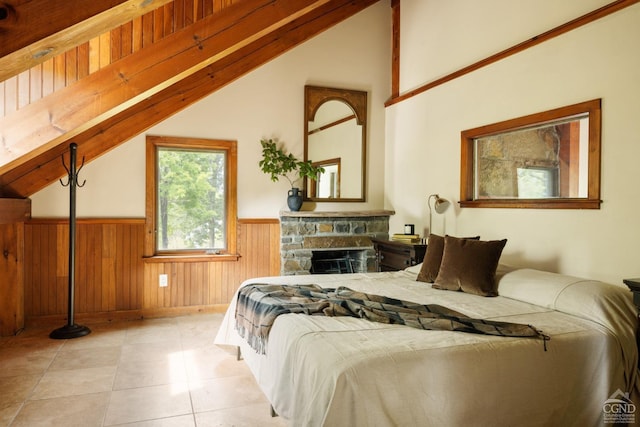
[(276, 163)]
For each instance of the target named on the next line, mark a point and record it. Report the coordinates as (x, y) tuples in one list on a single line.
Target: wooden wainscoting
[(109, 269), (113, 280)]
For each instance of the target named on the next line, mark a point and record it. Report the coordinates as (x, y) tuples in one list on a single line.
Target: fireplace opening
[(338, 261)]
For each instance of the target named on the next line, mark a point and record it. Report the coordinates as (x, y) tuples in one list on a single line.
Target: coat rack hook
[(68, 173), (78, 173)]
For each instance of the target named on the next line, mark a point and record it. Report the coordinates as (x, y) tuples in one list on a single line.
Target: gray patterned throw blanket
[(260, 304)]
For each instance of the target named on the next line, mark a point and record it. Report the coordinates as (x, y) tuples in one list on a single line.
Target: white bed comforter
[(340, 371)]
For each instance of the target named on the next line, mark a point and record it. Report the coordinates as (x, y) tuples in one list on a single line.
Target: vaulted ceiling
[(98, 73)]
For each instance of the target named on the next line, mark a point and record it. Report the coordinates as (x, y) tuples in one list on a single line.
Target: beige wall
[(599, 60), (268, 103)]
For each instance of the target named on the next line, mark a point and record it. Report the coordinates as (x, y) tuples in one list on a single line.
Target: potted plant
[(276, 163)]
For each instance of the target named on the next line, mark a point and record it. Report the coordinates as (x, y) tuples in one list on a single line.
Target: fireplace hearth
[(338, 261)]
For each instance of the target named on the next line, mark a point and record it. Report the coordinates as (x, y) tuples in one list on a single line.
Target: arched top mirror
[(335, 137)]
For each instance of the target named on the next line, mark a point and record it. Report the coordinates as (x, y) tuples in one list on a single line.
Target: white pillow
[(606, 304)]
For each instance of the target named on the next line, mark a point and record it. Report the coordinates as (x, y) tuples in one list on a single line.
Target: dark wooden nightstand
[(634, 285), (393, 255)]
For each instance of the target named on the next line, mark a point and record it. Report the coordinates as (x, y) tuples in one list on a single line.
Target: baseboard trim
[(123, 315)]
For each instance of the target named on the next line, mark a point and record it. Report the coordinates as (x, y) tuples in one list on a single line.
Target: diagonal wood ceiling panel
[(67, 112), (39, 171), (37, 30)]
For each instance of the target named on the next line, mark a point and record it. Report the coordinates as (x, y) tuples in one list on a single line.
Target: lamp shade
[(440, 205)]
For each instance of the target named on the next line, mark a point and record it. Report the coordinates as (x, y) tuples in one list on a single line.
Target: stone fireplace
[(345, 237)]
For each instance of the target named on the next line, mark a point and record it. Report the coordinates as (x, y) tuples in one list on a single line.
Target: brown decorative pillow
[(433, 258), (470, 266)]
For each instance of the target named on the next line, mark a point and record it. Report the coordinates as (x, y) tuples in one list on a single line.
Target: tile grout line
[(186, 371), (115, 375), (42, 374)]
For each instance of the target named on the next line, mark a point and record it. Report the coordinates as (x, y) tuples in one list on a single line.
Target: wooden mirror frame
[(316, 96), (467, 160)]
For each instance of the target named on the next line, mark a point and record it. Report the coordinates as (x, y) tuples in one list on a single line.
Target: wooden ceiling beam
[(74, 109), (39, 171), (34, 31)]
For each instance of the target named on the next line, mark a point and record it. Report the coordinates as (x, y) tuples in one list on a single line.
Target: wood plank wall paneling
[(11, 289), (105, 266), (111, 275), (64, 69)]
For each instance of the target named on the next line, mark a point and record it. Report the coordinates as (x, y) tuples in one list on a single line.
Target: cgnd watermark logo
[(619, 408)]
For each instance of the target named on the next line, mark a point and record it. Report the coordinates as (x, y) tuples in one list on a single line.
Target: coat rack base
[(69, 331)]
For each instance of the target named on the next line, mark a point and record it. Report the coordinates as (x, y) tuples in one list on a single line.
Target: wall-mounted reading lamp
[(439, 205)]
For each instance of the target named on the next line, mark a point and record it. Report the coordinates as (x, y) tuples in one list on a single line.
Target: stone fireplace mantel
[(303, 232), (336, 214)]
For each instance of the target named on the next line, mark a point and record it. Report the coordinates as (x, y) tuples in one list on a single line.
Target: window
[(537, 182), (327, 186), (191, 200), (547, 160)]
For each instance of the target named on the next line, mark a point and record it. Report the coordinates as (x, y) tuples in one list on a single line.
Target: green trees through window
[(191, 195)]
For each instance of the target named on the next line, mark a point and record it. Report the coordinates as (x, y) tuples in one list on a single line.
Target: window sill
[(559, 203), (191, 258)]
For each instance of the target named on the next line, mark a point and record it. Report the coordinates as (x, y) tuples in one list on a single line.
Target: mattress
[(342, 371)]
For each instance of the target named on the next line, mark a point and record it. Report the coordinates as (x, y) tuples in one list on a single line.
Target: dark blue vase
[(294, 199)]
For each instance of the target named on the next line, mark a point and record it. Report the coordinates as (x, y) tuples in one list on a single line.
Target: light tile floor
[(147, 373)]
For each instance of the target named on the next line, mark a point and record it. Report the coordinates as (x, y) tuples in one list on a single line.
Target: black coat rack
[(71, 330)]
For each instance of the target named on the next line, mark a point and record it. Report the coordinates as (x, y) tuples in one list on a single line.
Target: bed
[(344, 371)]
